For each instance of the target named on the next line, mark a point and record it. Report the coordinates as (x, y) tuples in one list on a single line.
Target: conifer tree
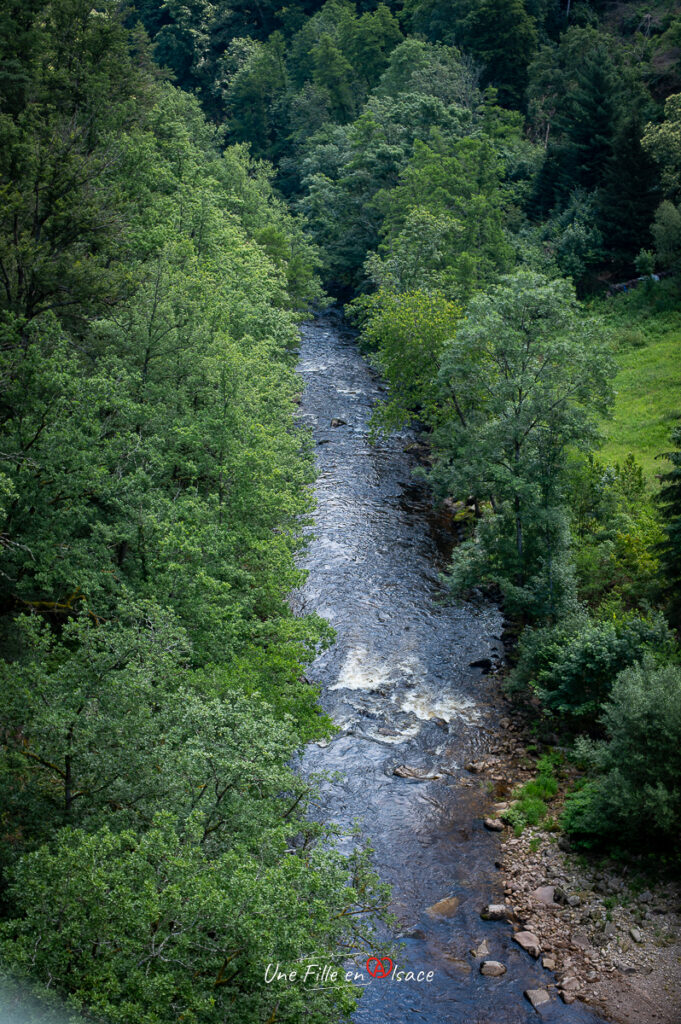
[(670, 504)]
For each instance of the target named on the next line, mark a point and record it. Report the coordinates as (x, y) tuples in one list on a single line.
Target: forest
[(492, 191)]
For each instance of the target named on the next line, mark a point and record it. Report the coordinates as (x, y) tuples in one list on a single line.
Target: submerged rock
[(444, 908), (482, 949)]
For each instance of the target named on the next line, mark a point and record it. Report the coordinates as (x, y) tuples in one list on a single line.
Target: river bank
[(610, 934)]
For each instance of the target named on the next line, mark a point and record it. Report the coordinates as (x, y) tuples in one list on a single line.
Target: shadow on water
[(400, 685)]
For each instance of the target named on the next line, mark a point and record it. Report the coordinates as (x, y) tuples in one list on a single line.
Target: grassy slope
[(648, 403)]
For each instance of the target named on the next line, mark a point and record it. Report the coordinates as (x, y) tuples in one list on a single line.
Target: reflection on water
[(399, 683)]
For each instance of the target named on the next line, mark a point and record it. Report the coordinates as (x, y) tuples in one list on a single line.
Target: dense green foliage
[(467, 173), (635, 798), (670, 500), (572, 665), (155, 849)]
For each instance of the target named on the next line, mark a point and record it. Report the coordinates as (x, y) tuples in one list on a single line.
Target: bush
[(572, 665), (635, 797)]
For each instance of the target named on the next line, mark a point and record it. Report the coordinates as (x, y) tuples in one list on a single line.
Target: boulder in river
[(482, 949), (403, 771), (538, 997), (492, 968), (335, 422), (485, 664), (529, 942)]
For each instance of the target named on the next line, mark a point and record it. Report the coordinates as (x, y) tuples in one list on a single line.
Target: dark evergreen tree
[(629, 194), (587, 123), (333, 73), (502, 35), (670, 504)]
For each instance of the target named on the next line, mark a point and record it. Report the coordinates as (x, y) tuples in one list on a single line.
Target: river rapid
[(400, 685)]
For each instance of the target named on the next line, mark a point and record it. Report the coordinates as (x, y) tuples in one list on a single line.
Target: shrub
[(572, 665), (635, 797)]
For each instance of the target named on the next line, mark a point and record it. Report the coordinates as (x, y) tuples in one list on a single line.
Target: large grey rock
[(529, 942), (569, 988), (492, 968), (404, 771), (636, 934), (580, 940), (494, 825), (538, 997), (545, 894)]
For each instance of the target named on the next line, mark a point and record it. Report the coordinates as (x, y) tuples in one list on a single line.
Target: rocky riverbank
[(612, 938)]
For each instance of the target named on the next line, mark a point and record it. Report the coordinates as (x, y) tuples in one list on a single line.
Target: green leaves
[(634, 801), (524, 375), (151, 928), (154, 490)]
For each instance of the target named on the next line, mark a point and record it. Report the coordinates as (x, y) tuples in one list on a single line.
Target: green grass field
[(648, 403)]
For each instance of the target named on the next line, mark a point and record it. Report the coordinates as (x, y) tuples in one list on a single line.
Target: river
[(400, 685)]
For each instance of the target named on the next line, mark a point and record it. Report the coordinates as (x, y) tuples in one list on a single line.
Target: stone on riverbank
[(495, 912), (529, 942), (545, 894)]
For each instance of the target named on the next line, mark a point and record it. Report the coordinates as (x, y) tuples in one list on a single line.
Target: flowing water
[(400, 685)]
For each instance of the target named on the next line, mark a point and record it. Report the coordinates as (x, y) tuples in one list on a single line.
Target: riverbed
[(401, 684)]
